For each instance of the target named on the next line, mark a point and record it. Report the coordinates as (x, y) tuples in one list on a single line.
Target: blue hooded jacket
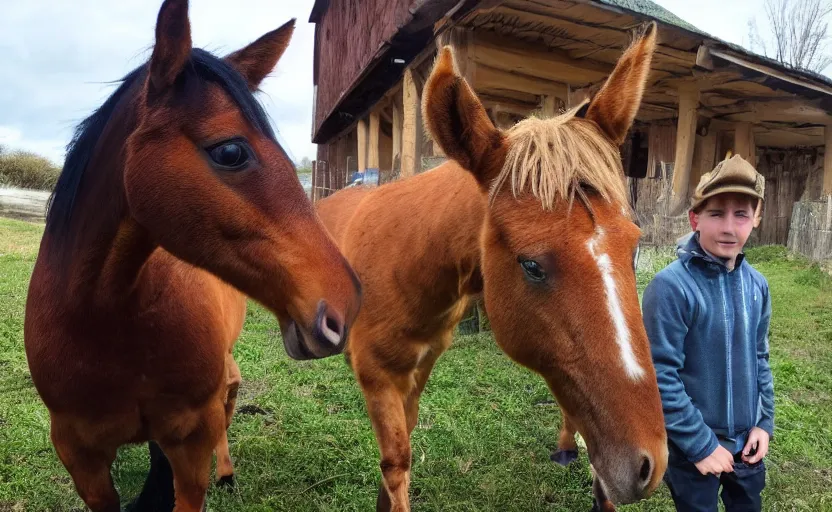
[(708, 331)]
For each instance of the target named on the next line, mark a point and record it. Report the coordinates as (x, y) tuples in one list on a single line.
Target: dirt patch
[(22, 204)]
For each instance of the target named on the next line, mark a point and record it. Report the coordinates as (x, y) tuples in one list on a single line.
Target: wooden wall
[(791, 175), (346, 38)]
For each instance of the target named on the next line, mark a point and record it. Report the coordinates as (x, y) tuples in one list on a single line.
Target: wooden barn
[(705, 97)]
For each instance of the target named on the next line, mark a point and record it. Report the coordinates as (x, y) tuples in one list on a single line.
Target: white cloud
[(60, 59)]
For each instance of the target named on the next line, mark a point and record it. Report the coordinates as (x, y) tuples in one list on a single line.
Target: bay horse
[(174, 204), (536, 218)]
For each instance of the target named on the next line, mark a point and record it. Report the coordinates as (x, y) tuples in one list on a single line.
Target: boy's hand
[(720, 461), (756, 447)]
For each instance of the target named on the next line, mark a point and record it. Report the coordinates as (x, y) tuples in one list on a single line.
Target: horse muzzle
[(327, 336)]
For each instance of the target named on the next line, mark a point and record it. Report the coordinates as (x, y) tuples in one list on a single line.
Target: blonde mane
[(555, 158)]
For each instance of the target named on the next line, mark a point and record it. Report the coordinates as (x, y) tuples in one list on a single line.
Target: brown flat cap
[(733, 174)]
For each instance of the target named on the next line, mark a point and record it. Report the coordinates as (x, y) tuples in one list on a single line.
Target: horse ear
[(258, 59), (173, 44), (457, 121), (616, 104)]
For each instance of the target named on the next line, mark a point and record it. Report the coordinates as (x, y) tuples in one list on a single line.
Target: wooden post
[(704, 156), (744, 142), (685, 143), (411, 126), (313, 196), (549, 106), (827, 161), (373, 151), (397, 136), (362, 145)]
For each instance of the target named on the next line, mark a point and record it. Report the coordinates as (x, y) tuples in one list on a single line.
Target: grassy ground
[(302, 442)]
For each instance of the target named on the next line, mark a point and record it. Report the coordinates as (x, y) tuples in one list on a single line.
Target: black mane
[(203, 67)]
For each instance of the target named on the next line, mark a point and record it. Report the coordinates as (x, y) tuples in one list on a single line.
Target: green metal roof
[(654, 10)]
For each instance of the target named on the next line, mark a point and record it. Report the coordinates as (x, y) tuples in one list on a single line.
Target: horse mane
[(559, 158), (203, 67)]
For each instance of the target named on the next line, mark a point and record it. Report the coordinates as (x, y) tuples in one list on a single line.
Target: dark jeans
[(695, 492)]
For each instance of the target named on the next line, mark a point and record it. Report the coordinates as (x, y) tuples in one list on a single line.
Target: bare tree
[(798, 33)]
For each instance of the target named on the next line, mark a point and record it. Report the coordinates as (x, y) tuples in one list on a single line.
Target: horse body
[(175, 204), (148, 340), (535, 218), (431, 244)]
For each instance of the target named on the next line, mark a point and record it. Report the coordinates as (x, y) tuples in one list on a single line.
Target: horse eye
[(533, 270), (230, 155)]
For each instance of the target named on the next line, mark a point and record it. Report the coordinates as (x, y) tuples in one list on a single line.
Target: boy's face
[(724, 224)]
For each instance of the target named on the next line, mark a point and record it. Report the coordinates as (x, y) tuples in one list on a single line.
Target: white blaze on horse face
[(622, 333)]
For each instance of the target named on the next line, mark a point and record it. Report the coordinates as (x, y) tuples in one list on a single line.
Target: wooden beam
[(704, 158), (397, 136), (577, 96), (704, 59), (827, 161), (411, 126), (373, 149), (362, 145), (549, 106), (511, 55), (502, 104), (760, 68), (744, 142), (685, 144), (496, 79)]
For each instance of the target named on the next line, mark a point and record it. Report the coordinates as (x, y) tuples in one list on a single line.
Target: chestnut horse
[(175, 200), (551, 249)]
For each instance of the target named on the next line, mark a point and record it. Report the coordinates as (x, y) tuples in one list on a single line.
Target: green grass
[(484, 435)]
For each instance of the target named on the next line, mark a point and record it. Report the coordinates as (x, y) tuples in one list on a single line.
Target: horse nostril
[(330, 324), (333, 325), (646, 471)]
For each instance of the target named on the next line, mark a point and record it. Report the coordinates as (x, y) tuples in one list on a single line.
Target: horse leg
[(421, 376), (411, 408), (567, 451), (190, 459), (225, 467), (157, 492), (89, 467), (385, 394)]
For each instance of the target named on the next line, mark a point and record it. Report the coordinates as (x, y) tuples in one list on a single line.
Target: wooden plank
[(362, 145), (549, 106), (495, 79), (760, 68), (397, 136), (411, 125), (373, 156), (827, 161), (744, 142), (314, 195), (514, 56), (704, 156), (685, 143)]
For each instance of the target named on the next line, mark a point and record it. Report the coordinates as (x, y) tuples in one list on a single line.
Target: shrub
[(27, 170)]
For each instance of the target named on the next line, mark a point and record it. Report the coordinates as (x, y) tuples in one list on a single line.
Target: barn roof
[(336, 110), (653, 10)]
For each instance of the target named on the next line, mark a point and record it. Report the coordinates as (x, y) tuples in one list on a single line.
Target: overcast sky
[(56, 57)]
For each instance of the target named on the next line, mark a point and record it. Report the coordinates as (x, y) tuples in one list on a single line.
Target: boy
[(707, 317)]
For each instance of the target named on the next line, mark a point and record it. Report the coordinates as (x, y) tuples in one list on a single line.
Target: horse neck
[(104, 248), (453, 213)]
